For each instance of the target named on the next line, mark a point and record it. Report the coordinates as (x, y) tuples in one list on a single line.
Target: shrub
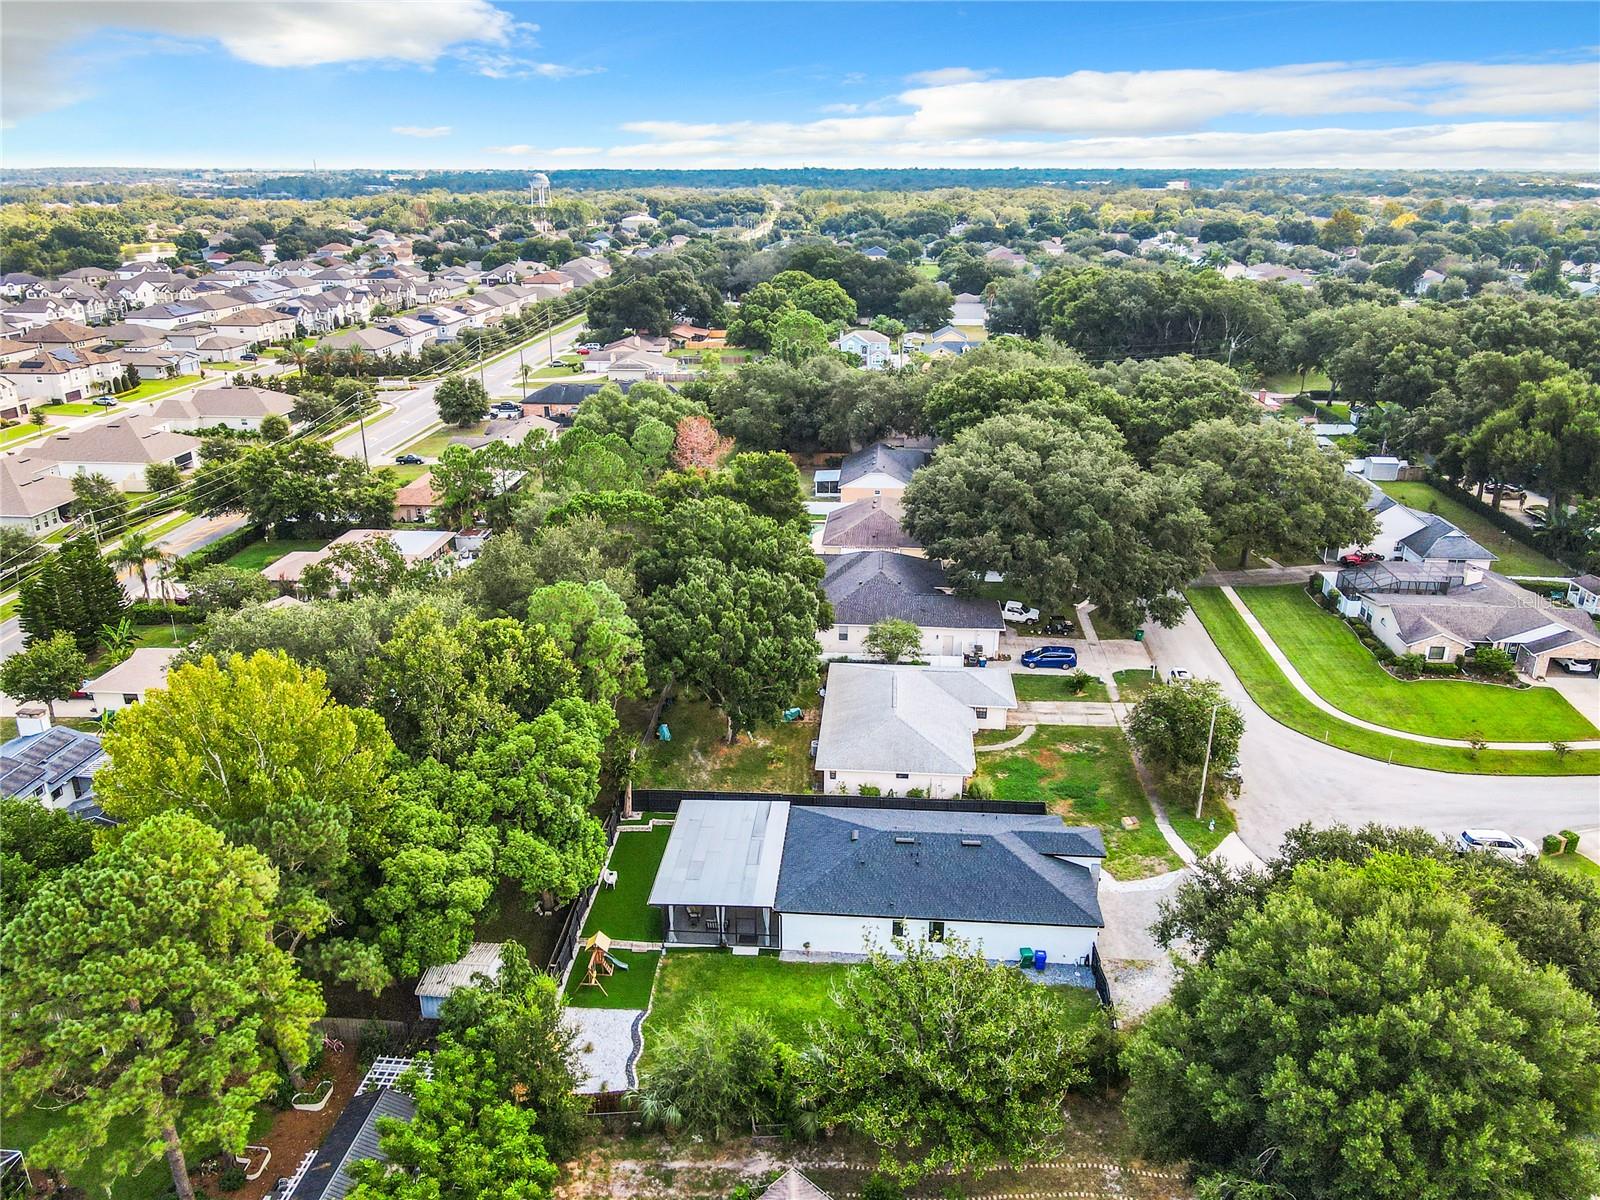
[(977, 789), (917, 794), (141, 612), (1495, 662), (231, 1178), (717, 1073), (1571, 839), (1554, 843), (879, 1186), (1442, 668), (871, 789), (1409, 666)]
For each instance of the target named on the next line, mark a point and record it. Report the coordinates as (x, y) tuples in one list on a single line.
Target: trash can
[(663, 733), (1038, 960), (1138, 635), (1026, 956)]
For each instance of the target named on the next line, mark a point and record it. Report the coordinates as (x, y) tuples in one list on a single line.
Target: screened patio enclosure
[(718, 881)]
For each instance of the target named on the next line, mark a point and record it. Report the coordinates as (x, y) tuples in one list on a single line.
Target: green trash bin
[(1138, 635), (1025, 954)]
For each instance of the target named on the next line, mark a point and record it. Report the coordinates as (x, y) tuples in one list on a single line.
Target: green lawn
[(621, 912), (790, 995), (1343, 672), (406, 472), (623, 989), (258, 556), (1574, 864), (1290, 381), (156, 387), (1277, 697), (1516, 557), (1052, 685), (1086, 775), (74, 409), (1134, 685), (20, 433), (164, 636), (431, 445), (773, 759)]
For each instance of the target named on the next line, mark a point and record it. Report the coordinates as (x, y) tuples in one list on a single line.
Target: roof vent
[(972, 841), (855, 835), (904, 839)]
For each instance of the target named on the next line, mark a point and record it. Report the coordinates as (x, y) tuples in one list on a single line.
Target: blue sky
[(474, 83)]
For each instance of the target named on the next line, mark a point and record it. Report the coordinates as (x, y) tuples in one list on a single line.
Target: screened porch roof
[(723, 852)]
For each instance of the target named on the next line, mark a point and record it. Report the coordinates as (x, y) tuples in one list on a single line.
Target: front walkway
[(1307, 691)]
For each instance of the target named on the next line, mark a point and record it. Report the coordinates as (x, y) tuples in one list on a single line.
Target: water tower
[(539, 190)]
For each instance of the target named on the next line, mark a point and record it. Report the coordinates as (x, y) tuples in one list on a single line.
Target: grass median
[(1276, 696)]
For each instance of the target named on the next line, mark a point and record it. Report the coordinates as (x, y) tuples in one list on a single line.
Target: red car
[(1359, 558)]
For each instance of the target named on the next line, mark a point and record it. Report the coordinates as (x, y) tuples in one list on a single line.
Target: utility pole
[(1205, 767), (361, 421)]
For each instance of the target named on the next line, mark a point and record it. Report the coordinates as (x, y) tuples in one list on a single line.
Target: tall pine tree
[(75, 590)]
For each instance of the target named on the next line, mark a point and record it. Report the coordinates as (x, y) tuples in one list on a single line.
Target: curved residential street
[(1290, 778)]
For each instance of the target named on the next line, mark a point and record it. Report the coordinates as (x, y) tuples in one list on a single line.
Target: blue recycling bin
[(1038, 960)]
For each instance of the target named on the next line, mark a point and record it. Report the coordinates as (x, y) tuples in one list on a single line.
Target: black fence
[(667, 801), (572, 925), (1102, 985)]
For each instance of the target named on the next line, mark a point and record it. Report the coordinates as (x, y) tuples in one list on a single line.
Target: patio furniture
[(608, 878)]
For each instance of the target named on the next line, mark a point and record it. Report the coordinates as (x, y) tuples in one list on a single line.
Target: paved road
[(1290, 778), (415, 414)]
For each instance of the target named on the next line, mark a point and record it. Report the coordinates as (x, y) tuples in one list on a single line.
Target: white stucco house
[(904, 729), (242, 408), (1584, 592), (142, 672), (818, 880), (872, 347), (119, 449)]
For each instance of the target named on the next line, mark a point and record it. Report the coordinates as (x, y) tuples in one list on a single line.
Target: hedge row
[(1503, 522)]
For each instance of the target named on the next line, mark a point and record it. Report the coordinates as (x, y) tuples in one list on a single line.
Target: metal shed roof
[(723, 852)]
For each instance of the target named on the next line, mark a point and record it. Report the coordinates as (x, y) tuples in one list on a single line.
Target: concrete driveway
[(1290, 778)]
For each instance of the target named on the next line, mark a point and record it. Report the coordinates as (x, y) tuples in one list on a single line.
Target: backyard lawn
[(1086, 776), (164, 636), (1053, 685), (1343, 672), (1277, 697), (773, 759), (790, 995), (623, 988), (1516, 557), (156, 387), (432, 445), (621, 912), (1291, 381), (259, 555)]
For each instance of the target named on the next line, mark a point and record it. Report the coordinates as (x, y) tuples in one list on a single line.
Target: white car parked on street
[(1495, 841)]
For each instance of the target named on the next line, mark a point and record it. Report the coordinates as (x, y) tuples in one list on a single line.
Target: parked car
[(1179, 674), (1058, 626), (584, 350), (409, 460), (1359, 558), (586, 347), (1495, 841), (1506, 491), (249, 357), (1538, 515), (1577, 666), (104, 402), (1063, 657), (1016, 610)]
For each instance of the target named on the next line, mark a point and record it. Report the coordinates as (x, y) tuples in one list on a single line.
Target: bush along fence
[(566, 947), (1504, 522), (668, 800)]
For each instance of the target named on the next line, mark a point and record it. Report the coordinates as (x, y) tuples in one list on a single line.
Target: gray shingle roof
[(354, 1136), (883, 718), (939, 873), (866, 525), (1589, 583), (878, 457), (1492, 609), (1439, 539), (874, 585)]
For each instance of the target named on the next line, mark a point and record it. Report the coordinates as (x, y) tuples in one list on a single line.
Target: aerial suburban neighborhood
[(769, 602)]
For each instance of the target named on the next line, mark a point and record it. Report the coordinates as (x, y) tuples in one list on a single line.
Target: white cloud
[(421, 131), (518, 150), (1171, 118), (38, 76), (546, 154), (947, 75)]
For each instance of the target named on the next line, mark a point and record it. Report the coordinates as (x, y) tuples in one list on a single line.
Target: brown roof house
[(417, 499), (120, 450), (872, 524), (32, 498)]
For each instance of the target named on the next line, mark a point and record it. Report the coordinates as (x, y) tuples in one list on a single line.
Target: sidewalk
[(1305, 689)]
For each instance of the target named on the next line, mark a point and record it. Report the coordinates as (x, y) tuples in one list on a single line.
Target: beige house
[(417, 499), (31, 499), (865, 525), (120, 450), (242, 408)]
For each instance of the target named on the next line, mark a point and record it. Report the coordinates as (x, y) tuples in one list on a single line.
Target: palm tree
[(526, 374), (137, 552)]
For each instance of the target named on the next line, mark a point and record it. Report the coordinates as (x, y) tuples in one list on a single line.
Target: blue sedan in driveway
[(1064, 657)]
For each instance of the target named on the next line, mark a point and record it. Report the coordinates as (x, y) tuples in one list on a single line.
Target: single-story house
[(417, 499), (875, 585), (1584, 592), (879, 470), (901, 729), (818, 880), (242, 408), (157, 362), (1441, 614), (142, 672), (415, 546), (872, 524), (481, 958), (967, 308), (119, 449), (51, 764), (562, 399)]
